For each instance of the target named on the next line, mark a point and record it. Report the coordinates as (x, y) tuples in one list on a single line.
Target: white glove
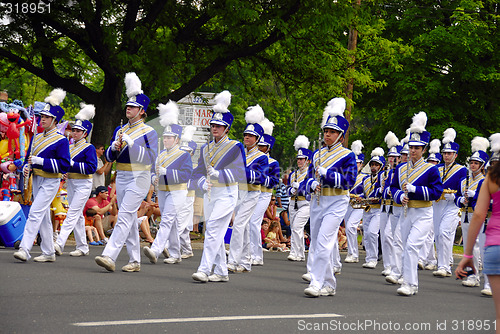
[(449, 197), (205, 186), (293, 191), (115, 146), (126, 138), (36, 160), (321, 171), (213, 172), (462, 200), (314, 185), (295, 185), (71, 162), (154, 179), (411, 188), (162, 171), (470, 193)]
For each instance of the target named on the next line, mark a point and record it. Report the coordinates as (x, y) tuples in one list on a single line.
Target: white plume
[(56, 97), (254, 114), (188, 133), (356, 147), (434, 146), (449, 135), (334, 107), (169, 113), (419, 122), (132, 84), (391, 140), (87, 112), (379, 151), (222, 101), (268, 126), (479, 144), (301, 142), (495, 142)]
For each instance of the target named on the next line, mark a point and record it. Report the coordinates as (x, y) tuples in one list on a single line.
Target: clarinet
[(296, 199), (384, 177), (157, 180), (318, 177), (392, 199), (466, 218), (406, 191)]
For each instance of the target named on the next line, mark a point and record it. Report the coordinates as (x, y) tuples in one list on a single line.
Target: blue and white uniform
[(352, 219), (79, 185), (54, 149), (227, 156), (271, 180), (418, 221), (256, 170), (371, 218), (446, 214), (133, 181), (325, 219), (298, 217), (172, 191)]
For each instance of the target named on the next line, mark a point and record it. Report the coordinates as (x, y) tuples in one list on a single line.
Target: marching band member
[(405, 150), (173, 169), (299, 199), (83, 165), (467, 199), (386, 234), (185, 216), (335, 166), (49, 157), (372, 189), (445, 211), (134, 147), (221, 167), (427, 256), (415, 185), (239, 259), (265, 145), (354, 216)]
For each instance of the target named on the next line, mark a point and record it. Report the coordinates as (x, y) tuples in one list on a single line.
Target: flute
[(157, 169), (296, 206), (466, 218), (207, 164)]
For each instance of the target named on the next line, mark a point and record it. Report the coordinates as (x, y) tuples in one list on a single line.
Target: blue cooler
[(12, 222)]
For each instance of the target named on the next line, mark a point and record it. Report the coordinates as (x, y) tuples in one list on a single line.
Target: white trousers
[(78, 193), (371, 226), (185, 224), (239, 247), (298, 219), (325, 221), (476, 251), (218, 212), (414, 229), (397, 242), (256, 252), (427, 254), (445, 224), (170, 203), (386, 238), (44, 191), (352, 219), (131, 189)]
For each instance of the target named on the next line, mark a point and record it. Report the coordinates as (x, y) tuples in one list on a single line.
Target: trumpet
[(363, 203)]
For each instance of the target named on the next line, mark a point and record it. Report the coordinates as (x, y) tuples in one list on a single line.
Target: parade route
[(74, 295)]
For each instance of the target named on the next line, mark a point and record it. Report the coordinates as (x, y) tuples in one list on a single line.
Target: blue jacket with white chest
[(424, 176), (53, 147), (178, 167), (83, 159)]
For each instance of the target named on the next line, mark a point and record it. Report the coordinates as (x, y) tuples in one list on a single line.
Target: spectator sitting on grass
[(272, 237), (102, 206), (91, 231)]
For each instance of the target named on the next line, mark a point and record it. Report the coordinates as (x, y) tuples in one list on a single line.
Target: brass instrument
[(446, 191), (358, 202)]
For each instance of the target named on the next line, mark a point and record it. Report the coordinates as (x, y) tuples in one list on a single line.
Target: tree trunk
[(109, 111)]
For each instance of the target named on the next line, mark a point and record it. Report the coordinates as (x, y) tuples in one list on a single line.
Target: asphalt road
[(74, 295)]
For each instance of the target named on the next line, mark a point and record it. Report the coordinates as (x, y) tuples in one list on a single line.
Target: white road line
[(201, 319)]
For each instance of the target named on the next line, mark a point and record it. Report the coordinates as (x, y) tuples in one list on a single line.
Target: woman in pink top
[(491, 262)]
